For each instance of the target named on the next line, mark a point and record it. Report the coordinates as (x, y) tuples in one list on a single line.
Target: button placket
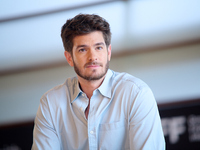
[(82, 109), (84, 103), (92, 137)]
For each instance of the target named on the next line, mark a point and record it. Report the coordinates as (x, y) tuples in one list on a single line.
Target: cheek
[(79, 61), (106, 57)]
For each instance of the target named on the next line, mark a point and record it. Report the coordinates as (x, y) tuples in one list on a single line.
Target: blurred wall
[(173, 75), (156, 41)]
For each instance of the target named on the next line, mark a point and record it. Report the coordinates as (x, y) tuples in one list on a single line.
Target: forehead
[(88, 39)]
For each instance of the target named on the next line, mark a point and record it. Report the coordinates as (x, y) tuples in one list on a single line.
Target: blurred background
[(155, 40)]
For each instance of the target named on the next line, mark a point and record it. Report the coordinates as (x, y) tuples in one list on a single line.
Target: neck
[(89, 86)]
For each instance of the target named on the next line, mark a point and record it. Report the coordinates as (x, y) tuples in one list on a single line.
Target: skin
[(90, 59)]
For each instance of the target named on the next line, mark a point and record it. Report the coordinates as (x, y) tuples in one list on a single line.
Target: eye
[(81, 50), (99, 48)]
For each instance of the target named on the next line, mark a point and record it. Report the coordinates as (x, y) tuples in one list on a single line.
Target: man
[(100, 108)]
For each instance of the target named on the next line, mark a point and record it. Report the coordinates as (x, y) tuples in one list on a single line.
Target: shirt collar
[(104, 89), (75, 89)]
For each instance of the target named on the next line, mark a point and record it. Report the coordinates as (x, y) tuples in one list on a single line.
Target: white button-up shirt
[(123, 115)]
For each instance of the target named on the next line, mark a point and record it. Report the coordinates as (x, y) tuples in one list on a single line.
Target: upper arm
[(145, 130), (44, 134)]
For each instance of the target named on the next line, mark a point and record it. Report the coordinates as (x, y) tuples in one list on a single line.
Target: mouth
[(93, 65)]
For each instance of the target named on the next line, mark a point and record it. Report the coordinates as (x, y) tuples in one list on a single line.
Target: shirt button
[(83, 94), (91, 132), (81, 108)]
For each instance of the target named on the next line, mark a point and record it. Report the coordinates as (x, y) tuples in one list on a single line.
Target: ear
[(109, 52), (69, 58)]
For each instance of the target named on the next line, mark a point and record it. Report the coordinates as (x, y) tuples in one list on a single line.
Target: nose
[(92, 55)]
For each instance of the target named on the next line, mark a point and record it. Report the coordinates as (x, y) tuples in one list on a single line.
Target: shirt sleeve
[(44, 134), (145, 129)]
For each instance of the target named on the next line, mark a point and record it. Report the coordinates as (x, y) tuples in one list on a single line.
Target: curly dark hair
[(84, 24)]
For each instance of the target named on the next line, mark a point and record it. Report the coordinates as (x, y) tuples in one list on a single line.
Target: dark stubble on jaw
[(91, 78)]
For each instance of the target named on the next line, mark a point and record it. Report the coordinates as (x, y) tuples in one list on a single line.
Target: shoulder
[(60, 91), (134, 92), (135, 89), (131, 87), (126, 80)]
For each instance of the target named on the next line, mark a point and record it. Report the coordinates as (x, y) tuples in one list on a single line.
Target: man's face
[(90, 56)]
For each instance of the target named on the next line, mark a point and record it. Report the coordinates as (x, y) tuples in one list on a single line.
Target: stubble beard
[(91, 77)]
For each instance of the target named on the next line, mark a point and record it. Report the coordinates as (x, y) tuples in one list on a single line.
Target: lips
[(93, 65)]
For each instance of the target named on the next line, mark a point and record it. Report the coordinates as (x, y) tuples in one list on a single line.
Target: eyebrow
[(101, 43), (97, 44), (79, 46)]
